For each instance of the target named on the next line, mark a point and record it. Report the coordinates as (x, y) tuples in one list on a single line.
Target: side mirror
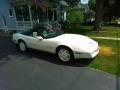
[(39, 38), (35, 34)]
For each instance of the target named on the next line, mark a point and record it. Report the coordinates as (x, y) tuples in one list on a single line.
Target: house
[(24, 14)]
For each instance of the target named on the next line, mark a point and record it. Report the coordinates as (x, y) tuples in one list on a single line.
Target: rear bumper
[(15, 41)]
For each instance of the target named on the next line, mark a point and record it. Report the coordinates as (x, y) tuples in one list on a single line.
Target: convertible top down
[(66, 46)]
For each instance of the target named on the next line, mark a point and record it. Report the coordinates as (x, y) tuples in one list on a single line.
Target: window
[(50, 14), (10, 12), (22, 13), (37, 14)]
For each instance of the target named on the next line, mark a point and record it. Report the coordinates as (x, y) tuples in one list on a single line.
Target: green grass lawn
[(107, 31), (108, 59)]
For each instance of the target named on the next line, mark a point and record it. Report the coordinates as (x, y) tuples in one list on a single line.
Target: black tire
[(22, 46), (65, 58)]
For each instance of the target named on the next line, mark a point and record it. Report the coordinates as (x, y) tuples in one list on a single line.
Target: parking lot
[(35, 70)]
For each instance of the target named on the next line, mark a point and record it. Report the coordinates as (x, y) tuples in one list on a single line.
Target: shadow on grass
[(79, 30)]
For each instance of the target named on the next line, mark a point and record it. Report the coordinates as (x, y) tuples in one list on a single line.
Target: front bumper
[(78, 55)]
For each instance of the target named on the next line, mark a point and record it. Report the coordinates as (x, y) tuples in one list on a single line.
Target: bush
[(65, 24), (75, 16)]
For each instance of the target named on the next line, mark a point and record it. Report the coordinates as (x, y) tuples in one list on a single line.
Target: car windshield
[(49, 31)]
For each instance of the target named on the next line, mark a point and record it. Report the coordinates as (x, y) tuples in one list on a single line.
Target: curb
[(98, 70), (5, 35)]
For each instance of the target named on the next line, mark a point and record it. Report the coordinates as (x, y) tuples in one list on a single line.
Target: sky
[(84, 1)]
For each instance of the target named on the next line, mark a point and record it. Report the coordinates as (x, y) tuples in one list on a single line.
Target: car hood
[(76, 40)]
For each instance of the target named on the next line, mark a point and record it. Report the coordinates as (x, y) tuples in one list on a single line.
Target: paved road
[(36, 70)]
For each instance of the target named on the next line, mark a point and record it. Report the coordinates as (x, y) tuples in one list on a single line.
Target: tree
[(102, 6), (113, 11), (98, 15), (91, 4)]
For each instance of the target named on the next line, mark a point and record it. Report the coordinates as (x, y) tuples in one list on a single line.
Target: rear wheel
[(65, 54), (22, 46)]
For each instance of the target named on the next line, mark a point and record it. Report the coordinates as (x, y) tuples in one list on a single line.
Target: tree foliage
[(75, 16), (91, 4)]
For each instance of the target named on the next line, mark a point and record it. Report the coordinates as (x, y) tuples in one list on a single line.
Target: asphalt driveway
[(36, 70)]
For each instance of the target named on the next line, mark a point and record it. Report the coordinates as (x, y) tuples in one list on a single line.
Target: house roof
[(64, 3)]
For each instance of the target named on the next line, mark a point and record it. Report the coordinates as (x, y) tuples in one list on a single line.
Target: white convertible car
[(66, 46)]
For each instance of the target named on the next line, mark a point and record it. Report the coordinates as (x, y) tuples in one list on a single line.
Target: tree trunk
[(99, 15)]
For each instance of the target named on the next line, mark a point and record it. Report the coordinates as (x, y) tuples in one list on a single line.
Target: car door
[(47, 45), (40, 44), (30, 41), (36, 43)]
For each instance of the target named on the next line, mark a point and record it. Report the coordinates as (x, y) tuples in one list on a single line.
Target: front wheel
[(65, 54)]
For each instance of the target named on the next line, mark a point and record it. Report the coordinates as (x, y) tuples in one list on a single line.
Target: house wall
[(10, 23), (5, 19)]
